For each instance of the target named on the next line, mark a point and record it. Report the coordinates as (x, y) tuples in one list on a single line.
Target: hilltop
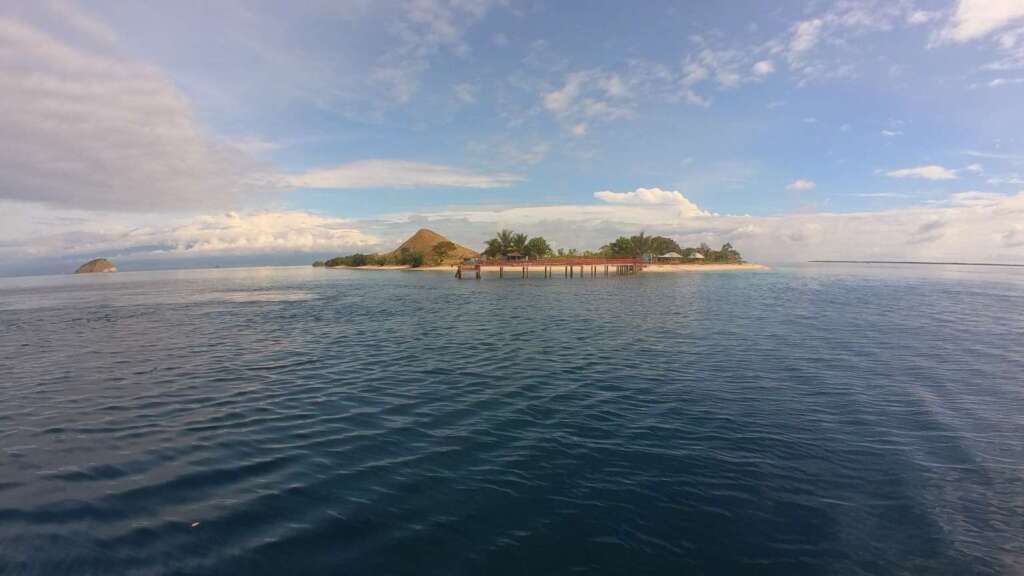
[(414, 252), (423, 242)]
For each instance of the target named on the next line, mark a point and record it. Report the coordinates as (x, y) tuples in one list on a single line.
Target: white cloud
[(423, 29), (652, 197), (978, 227), (976, 168), (974, 19), (801, 185), (77, 234), (891, 133), (589, 95), (969, 226), (396, 174), (1006, 180), (87, 130), (465, 93), (728, 68), (763, 67), (817, 47), (930, 172), (805, 36), (696, 99), (996, 82), (85, 24), (917, 17), (559, 101)]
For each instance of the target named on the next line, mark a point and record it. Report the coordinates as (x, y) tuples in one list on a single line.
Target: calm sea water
[(814, 420)]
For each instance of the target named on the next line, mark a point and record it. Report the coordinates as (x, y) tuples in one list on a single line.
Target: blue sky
[(184, 132)]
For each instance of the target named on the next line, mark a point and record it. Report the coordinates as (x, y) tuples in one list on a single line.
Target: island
[(427, 250), (96, 265)]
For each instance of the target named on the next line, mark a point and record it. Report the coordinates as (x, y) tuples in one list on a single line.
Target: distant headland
[(429, 250), (96, 265)]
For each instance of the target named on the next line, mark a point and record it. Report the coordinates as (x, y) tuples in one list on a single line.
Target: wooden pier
[(571, 267)]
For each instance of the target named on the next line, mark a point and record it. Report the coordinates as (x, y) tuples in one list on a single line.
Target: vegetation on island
[(507, 242), (396, 258), (96, 265), (643, 246), (430, 248)]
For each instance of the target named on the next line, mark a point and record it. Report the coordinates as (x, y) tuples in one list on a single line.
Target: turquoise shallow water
[(809, 420)]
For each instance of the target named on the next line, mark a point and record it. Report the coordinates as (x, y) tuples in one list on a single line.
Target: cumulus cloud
[(970, 226), (978, 226), (78, 234), (652, 197), (801, 185), (930, 172), (396, 174), (86, 130), (974, 19)]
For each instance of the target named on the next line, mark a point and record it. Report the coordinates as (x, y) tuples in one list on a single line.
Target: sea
[(812, 419)]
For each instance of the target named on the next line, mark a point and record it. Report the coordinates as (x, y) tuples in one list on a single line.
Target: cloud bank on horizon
[(859, 129)]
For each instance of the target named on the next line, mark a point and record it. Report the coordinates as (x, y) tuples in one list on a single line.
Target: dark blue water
[(817, 420)]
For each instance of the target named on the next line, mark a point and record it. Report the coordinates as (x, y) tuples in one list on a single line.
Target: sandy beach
[(703, 267)]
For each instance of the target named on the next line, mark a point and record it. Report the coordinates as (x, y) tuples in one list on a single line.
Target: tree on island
[(640, 246), (537, 247), (442, 249), (401, 258), (507, 242), (726, 254)]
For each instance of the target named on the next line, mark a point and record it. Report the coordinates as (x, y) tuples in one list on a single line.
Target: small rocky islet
[(96, 265)]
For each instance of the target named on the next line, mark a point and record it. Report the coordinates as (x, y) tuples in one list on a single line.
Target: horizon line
[(920, 262)]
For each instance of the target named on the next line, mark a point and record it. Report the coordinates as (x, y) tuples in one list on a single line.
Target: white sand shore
[(702, 267)]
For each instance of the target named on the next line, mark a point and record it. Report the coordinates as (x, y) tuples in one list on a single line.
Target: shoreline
[(655, 268)]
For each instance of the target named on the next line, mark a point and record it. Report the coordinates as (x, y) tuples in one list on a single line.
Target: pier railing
[(586, 266)]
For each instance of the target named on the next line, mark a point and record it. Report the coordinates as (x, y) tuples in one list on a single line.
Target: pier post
[(478, 272), (572, 271), (501, 271), (458, 272), (524, 271)]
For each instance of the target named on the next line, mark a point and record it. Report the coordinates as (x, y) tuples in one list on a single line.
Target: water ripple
[(795, 422)]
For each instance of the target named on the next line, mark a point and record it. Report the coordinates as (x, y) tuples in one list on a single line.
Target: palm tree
[(505, 239), (641, 245), (518, 242)]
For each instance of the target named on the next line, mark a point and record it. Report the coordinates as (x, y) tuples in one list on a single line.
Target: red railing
[(579, 261)]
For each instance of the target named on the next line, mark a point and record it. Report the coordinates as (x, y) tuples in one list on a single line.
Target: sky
[(172, 134)]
